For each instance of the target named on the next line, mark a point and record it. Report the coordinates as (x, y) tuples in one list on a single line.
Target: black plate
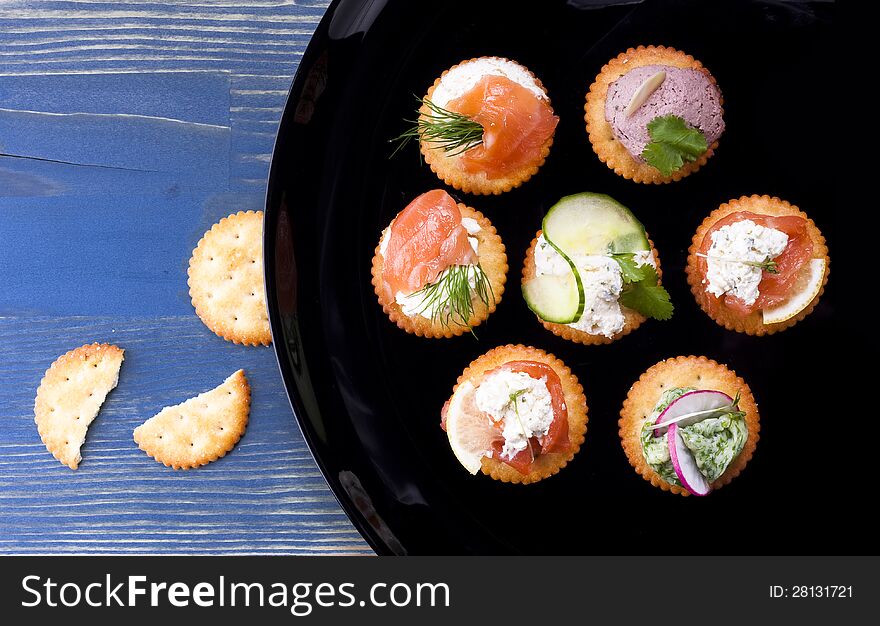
[(368, 396)]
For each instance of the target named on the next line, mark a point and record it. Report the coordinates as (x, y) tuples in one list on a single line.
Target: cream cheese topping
[(644, 257), (414, 303), (520, 403), (462, 78), (602, 282), (731, 245)]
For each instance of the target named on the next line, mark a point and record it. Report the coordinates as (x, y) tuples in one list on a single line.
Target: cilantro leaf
[(672, 143), (649, 300), (631, 272)]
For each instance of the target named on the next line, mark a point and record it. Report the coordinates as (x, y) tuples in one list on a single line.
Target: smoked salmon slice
[(773, 288), (556, 439), (426, 238), (516, 124)]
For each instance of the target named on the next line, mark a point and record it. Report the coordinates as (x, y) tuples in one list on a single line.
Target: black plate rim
[(270, 228)]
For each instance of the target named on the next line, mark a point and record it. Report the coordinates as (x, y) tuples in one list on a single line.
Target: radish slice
[(685, 465), (691, 408)]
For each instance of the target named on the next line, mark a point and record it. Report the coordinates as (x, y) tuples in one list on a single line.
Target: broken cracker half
[(200, 430), (226, 279), (70, 396)]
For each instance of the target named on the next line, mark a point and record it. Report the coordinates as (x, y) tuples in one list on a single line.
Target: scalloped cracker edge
[(545, 465), (226, 279), (447, 168), (493, 260), (70, 396), (752, 324), (201, 429), (609, 150), (684, 371)]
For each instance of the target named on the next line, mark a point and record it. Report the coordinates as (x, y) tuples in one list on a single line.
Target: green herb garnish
[(642, 292), (672, 143), (632, 273), (768, 266), (451, 297), (450, 131)]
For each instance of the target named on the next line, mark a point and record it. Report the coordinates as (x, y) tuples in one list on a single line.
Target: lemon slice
[(807, 286), (469, 431)]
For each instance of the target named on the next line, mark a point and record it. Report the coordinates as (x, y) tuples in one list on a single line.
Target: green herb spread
[(714, 441)]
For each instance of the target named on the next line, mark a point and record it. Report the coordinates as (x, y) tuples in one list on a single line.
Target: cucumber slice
[(593, 223), (557, 299)]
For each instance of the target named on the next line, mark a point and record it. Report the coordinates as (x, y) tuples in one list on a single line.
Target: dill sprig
[(768, 266), (450, 131), (450, 299)]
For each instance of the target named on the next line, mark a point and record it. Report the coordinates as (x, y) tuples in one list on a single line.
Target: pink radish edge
[(691, 402), (685, 465)]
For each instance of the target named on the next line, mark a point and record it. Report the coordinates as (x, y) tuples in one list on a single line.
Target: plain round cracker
[(70, 396), (493, 260), (545, 465), (684, 371), (632, 318), (448, 168), (753, 323), (606, 146), (201, 429), (226, 279)]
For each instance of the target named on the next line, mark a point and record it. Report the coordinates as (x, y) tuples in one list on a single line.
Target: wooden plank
[(266, 496), (146, 122)]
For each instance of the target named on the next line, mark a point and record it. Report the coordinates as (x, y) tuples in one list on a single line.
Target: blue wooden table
[(138, 125)]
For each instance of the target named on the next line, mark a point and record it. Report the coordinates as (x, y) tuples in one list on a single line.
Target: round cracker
[(545, 465), (70, 396), (201, 429), (493, 260), (684, 371), (753, 323), (632, 319), (609, 150), (448, 168), (226, 279)]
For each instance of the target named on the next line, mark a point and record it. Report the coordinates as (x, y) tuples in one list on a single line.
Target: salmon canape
[(485, 126), (439, 269), (758, 265), (689, 425), (517, 413), (654, 114), (592, 275)]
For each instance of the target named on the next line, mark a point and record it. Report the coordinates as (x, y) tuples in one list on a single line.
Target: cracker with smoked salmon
[(485, 126), (440, 267), (517, 413), (689, 425), (757, 265), (654, 114)]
